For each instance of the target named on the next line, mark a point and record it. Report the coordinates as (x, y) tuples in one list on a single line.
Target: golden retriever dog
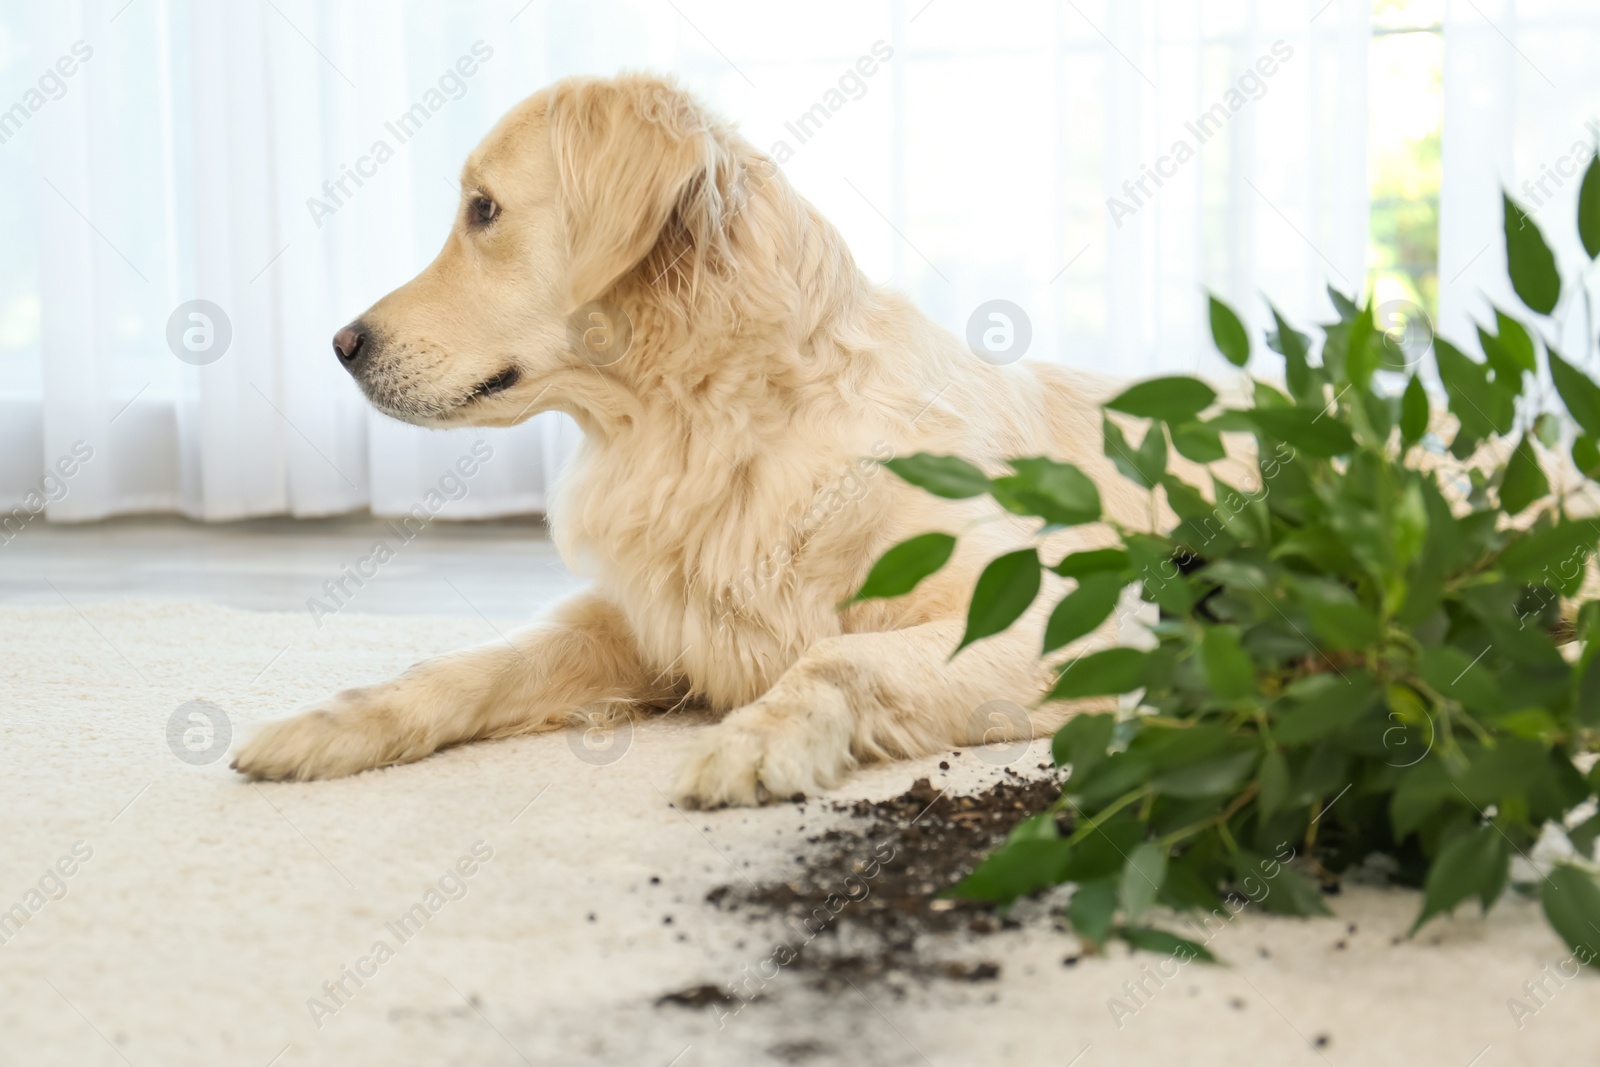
[(623, 256)]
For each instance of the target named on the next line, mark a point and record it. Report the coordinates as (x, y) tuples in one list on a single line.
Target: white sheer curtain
[(993, 152), (1521, 112)]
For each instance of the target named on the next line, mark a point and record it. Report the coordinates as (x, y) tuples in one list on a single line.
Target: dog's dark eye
[(482, 210)]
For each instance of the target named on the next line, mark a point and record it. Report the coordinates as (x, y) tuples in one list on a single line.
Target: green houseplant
[(1376, 653)]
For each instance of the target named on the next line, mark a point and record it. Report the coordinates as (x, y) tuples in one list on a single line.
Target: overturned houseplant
[(1383, 651)]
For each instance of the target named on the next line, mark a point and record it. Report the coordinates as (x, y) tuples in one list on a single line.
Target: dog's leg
[(868, 696), (534, 682)]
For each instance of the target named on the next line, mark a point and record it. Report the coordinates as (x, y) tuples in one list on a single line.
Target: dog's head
[(576, 189)]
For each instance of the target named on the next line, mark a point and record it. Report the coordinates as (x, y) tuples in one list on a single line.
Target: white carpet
[(210, 910)]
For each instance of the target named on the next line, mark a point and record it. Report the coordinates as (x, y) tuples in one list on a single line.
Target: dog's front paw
[(756, 757), (339, 738)]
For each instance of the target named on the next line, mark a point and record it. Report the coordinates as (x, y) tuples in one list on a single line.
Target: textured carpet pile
[(531, 900)]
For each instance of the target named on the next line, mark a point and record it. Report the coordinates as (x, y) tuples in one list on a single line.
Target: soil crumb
[(697, 996)]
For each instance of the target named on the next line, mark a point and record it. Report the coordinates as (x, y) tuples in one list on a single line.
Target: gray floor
[(506, 570)]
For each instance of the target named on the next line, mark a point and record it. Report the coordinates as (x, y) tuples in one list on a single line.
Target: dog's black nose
[(349, 343)]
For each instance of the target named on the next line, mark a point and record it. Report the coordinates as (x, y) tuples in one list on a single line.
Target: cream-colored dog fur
[(724, 497)]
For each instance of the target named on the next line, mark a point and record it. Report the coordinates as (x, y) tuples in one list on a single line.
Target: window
[(1405, 72)]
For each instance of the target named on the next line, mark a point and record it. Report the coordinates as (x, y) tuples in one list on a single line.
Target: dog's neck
[(733, 344), (787, 368)]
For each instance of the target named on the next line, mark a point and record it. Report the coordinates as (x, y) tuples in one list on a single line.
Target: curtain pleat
[(1521, 115), (226, 153)]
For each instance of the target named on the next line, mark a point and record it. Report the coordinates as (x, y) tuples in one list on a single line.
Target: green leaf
[(1547, 430), (1017, 869), (1549, 555), (1507, 374), (1337, 616), (1040, 827), (1471, 864), (1083, 742), (1578, 393), (1524, 482), (1323, 704), (1318, 433), (1141, 465), (1295, 894), (1197, 441), (1187, 890), (1273, 779), (1516, 342), (1215, 777), (1496, 775), (1589, 209), (1227, 667), (1152, 455), (1005, 589), (1094, 561), (1102, 853), (1091, 908), (1083, 609), (1362, 349), (1295, 347), (1057, 492), (1424, 788), (1415, 411), (899, 570), (946, 476), (1343, 624), (1152, 940), (1142, 876), (1530, 262), (1113, 671), (1185, 499), (1155, 561), (1231, 422), (1582, 836), (1229, 333), (1342, 304), (1244, 515), (1572, 904), (1175, 399), (1455, 674), (1319, 546), (1481, 408), (1410, 523), (1586, 456), (1586, 707), (1275, 887)]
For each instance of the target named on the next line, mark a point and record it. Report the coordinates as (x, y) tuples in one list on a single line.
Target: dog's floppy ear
[(641, 163)]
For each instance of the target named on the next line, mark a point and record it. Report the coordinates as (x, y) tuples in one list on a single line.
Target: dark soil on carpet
[(866, 904)]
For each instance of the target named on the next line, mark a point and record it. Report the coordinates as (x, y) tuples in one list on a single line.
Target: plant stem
[(1105, 813), (1219, 819), (1311, 830)]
